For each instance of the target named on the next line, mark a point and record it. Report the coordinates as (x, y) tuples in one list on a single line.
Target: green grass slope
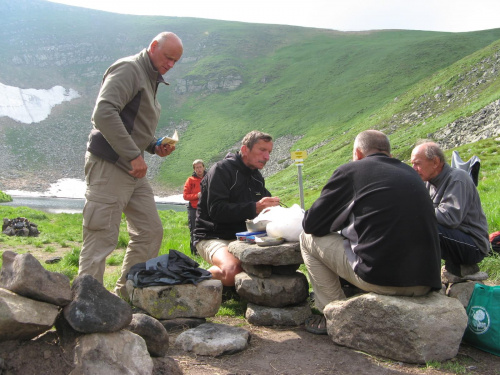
[(317, 87)]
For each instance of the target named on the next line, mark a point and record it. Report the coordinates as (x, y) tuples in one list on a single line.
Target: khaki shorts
[(207, 248)]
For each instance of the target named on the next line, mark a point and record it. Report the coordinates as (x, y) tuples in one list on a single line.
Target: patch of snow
[(177, 199), (75, 188), (31, 105)]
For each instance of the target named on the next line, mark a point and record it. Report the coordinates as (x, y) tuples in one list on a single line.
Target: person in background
[(192, 192), (124, 120), (374, 226), (232, 191), (462, 225)]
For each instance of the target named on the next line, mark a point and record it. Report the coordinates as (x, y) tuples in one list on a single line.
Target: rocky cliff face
[(483, 124)]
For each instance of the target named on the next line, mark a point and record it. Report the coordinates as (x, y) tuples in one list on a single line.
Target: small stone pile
[(276, 292), (90, 321), (20, 226)]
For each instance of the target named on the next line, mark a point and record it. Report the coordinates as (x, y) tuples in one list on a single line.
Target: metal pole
[(301, 189)]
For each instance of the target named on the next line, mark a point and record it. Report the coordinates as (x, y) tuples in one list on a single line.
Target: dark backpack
[(169, 269)]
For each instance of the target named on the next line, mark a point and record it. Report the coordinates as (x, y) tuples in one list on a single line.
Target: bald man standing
[(124, 120)]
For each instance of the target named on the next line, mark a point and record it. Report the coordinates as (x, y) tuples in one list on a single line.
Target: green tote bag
[(483, 312)]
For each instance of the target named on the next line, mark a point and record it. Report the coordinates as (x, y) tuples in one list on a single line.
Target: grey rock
[(23, 274), (277, 316), (274, 291), (462, 291), (257, 270), (178, 301), (94, 309), (408, 329), (267, 270), (280, 255), (22, 318), (152, 331), (214, 339), (181, 324), (114, 353)]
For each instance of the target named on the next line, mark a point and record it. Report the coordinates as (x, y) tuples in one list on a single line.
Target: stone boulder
[(276, 291), (152, 331), (462, 291), (178, 301), (114, 353), (214, 339), (279, 255), (408, 329), (24, 275), (94, 309), (277, 316), (22, 318)]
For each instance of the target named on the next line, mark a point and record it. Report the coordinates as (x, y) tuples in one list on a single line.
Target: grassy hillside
[(317, 88), (436, 113), (323, 86)]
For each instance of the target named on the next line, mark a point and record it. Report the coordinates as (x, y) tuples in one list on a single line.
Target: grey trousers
[(325, 261), (111, 192)]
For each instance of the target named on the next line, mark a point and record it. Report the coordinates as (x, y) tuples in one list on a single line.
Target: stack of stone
[(271, 283), (20, 226), (95, 325)]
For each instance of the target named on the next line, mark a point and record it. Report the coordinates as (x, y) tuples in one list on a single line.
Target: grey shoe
[(449, 278), (468, 269)]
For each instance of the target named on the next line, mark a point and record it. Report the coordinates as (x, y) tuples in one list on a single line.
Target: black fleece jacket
[(229, 192), (380, 205)]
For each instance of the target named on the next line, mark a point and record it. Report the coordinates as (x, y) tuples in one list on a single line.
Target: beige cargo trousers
[(325, 260), (110, 192)]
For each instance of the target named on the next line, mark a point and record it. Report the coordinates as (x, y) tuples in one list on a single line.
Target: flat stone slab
[(280, 255), (277, 316), (274, 291), (178, 301), (214, 339)]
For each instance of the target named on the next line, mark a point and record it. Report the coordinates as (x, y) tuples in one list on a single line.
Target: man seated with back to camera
[(232, 191), (462, 225), (373, 226)]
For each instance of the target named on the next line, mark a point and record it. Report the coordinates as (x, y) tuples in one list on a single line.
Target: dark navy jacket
[(380, 205)]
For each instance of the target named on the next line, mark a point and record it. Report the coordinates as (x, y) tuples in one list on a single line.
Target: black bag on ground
[(169, 269)]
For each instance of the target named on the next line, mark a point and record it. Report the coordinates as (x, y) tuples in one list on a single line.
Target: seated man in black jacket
[(232, 192), (374, 226)]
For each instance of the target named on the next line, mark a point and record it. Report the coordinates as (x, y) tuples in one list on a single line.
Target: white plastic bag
[(283, 222)]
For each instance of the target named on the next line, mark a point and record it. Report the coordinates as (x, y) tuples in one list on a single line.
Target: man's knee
[(229, 265)]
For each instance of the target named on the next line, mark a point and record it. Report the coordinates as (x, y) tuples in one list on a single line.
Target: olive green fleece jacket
[(126, 112)]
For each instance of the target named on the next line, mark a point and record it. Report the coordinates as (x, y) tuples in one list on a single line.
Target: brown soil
[(272, 350)]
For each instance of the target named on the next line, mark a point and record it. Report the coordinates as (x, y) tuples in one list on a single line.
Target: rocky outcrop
[(481, 125), (208, 84), (462, 92)]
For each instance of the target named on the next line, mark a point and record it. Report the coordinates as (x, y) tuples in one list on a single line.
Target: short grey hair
[(253, 137), (432, 150), (370, 141)]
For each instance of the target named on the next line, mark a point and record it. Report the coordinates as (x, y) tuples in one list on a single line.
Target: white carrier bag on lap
[(283, 222)]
